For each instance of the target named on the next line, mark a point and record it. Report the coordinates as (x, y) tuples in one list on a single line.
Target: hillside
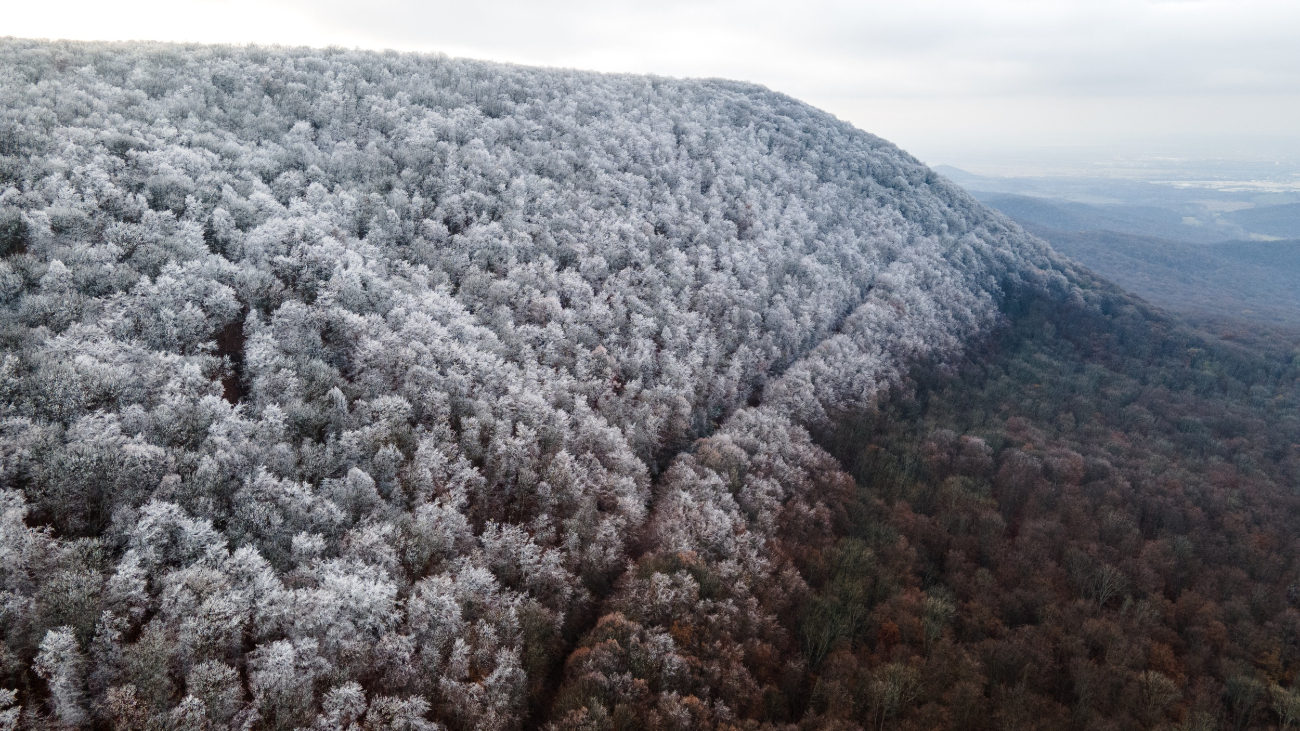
[(1228, 282), (1087, 524), (1131, 220), (388, 391), (1282, 222)]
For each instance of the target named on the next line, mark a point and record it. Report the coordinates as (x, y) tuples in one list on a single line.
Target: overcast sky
[(961, 82)]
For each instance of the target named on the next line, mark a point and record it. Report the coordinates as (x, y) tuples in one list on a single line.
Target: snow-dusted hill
[(344, 385)]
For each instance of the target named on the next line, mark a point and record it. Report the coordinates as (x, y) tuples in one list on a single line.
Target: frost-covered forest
[(358, 390)]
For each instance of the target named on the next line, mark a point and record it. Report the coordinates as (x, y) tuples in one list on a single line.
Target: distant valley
[(1216, 256)]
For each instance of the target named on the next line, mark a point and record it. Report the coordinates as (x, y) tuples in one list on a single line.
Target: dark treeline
[(1092, 523)]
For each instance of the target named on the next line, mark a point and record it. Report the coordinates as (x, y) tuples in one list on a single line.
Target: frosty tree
[(341, 389)]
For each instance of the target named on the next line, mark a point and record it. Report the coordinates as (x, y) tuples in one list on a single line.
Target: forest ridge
[(346, 389)]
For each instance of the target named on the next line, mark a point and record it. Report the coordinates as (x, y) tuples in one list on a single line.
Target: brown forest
[(1090, 523)]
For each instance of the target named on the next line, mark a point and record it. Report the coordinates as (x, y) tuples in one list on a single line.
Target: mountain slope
[(388, 391), (1082, 526), (337, 378), (1233, 281), (1280, 221)]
